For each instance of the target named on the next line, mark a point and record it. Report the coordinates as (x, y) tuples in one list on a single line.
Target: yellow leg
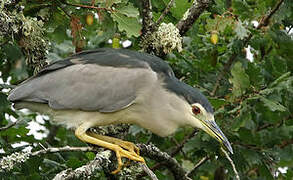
[(124, 144), (81, 133)]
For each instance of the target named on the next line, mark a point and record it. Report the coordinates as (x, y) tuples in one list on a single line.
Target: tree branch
[(166, 11), (200, 162), (88, 7), (153, 152), (100, 162), (65, 12), (63, 149), (6, 86), (148, 171), (147, 17), (222, 73), (232, 163), (183, 25), (175, 151), (10, 125), (194, 12), (180, 146), (263, 22)]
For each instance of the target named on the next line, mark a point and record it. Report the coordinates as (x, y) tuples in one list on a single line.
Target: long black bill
[(215, 131)]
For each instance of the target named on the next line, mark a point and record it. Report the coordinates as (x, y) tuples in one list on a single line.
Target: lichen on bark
[(27, 32)]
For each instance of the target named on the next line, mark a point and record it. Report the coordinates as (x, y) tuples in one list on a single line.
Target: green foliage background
[(253, 101)]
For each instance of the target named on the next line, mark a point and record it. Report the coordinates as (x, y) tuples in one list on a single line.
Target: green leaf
[(286, 155), (59, 34), (187, 165), (239, 80), (179, 8), (272, 105), (217, 103), (90, 155), (280, 79), (265, 172), (255, 75), (12, 51), (242, 8), (219, 23), (128, 24), (3, 102), (110, 3), (240, 30), (244, 120), (73, 162), (283, 83), (129, 10)]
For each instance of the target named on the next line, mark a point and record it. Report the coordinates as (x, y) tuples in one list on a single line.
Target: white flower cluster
[(8, 162), (167, 37)]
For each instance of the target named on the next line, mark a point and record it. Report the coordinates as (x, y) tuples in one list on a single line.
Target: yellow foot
[(130, 151), (131, 147), (123, 153)]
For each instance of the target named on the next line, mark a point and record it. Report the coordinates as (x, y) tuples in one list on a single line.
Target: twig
[(166, 11), (65, 12), (86, 6), (3, 43), (175, 151), (265, 53), (180, 146), (5, 86), (148, 171), (248, 146), (52, 133), (289, 29), (263, 22), (153, 152), (194, 12), (285, 143), (93, 2), (200, 162), (222, 73), (228, 4), (7, 163), (232, 164), (259, 128), (10, 125), (63, 149)]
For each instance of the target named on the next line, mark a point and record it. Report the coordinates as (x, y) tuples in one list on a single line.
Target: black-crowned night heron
[(111, 86)]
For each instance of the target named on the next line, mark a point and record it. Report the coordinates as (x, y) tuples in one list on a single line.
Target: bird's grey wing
[(89, 87)]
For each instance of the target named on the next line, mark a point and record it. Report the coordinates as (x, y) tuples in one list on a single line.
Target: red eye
[(195, 110)]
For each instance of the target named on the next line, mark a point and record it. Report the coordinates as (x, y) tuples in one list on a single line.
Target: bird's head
[(204, 119), (199, 111)]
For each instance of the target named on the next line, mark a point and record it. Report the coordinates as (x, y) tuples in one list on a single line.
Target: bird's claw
[(120, 153)]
